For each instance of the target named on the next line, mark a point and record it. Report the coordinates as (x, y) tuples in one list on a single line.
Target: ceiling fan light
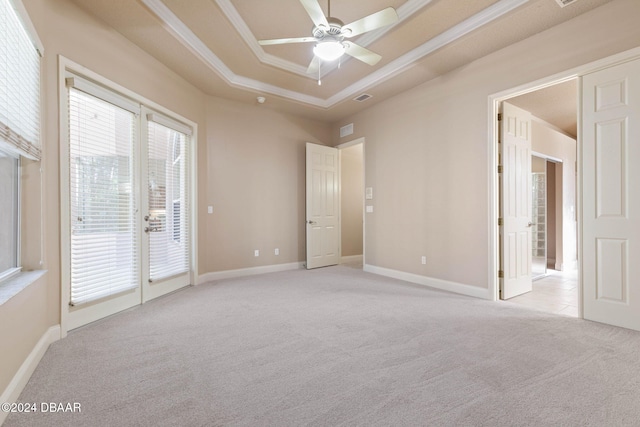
[(329, 51)]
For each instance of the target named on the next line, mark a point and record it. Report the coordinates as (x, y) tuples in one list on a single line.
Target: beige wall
[(427, 148), (66, 30), (422, 159), (351, 199), (549, 141), (255, 180)]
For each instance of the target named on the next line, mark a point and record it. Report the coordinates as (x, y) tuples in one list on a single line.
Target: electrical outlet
[(277, 251), (256, 252), (424, 260)]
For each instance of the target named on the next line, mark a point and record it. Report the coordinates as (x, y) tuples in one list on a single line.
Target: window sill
[(12, 286)]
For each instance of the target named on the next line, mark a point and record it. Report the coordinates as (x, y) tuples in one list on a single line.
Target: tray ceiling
[(214, 44)]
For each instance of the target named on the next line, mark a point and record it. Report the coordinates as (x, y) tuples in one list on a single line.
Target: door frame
[(66, 65), (340, 147), (494, 102)]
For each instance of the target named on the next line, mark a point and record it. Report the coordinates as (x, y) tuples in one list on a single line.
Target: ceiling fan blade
[(314, 66), (362, 54), (290, 40), (374, 21), (315, 12)]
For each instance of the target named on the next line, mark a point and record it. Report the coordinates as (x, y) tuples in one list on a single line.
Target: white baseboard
[(351, 258), (228, 274), (20, 379), (458, 288)]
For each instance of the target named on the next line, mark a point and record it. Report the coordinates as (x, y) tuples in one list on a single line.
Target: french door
[(128, 221)]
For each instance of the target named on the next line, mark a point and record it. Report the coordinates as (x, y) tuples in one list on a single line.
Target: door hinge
[(499, 117), (501, 274), (500, 221), (499, 168)]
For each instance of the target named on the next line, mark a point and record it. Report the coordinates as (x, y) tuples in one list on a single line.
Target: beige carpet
[(337, 347)]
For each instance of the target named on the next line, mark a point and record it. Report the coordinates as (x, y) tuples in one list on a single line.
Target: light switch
[(368, 193), (369, 208), (210, 209)]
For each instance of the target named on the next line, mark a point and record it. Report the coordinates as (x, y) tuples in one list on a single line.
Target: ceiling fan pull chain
[(319, 65)]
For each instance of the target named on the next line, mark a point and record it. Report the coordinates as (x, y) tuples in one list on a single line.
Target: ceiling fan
[(330, 33)]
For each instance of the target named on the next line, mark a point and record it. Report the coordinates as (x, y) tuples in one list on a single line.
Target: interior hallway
[(556, 293)]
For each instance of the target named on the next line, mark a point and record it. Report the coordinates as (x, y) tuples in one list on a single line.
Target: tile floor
[(556, 293)]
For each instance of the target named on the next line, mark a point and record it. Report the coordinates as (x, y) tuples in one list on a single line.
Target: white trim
[(20, 379), (182, 33), (351, 143), (251, 271), (494, 101), (102, 93), (169, 123), (351, 258), (23, 15), (243, 29), (403, 62), (546, 157), (444, 285)]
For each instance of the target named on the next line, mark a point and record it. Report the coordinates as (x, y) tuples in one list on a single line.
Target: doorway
[(127, 217), (352, 203), (553, 280)]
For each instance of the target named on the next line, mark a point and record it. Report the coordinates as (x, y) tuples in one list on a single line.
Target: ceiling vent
[(362, 97), (564, 3)]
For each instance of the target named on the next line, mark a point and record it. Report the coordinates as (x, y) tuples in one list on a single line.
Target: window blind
[(104, 242), (168, 199), (19, 86)]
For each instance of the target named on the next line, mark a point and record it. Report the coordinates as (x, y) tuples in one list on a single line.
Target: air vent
[(362, 97), (564, 3), (346, 130)]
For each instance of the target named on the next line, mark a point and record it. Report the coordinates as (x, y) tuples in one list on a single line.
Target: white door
[(127, 230), (322, 222), (515, 209), (166, 238), (610, 153)]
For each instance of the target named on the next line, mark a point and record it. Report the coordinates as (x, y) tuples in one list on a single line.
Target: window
[(19, 121)]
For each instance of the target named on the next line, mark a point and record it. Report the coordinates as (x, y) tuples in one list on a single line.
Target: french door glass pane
[(168, 207), (104, 254)]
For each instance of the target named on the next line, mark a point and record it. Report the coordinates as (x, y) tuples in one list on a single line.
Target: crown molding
[(182, 33), (243, 29), (408, 59), (404, 12)]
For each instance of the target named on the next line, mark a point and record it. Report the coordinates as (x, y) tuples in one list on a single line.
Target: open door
[(610, 153), (322, 222), (515, 208)]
